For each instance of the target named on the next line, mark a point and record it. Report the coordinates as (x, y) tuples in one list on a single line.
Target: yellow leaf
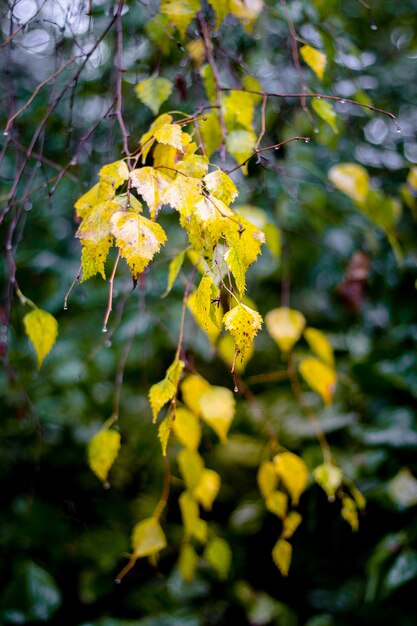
[(151, 184), (146, 141), (102, 451), (187, 562), (205, 304), (194, 165), (246, 10), (245, 241), (196, 51), (326, 112), (153, 92), (192, 388), (320, 345), (148, 538), (173, 271), (191, 467), (285, 326), (193, 525), (206, 224), (351, 179), (101, 193), (412, 178), (290, 524), (170, 135), (114, 173), (358, 497), (329, 477), (221, 9), (207, 488), (210, 132), (350, 513), (138, 238), (164, 432), (241, 145), (93, 257), (315, 59), (217, 406), (293, 472), (165, 390), (243, 324), (226, 349), (277, 503), (252, 84), (187, 427), (128, 201), (209, 82), (183, 194), (206, 323), (267, 478), (180, 12), (42, 329), (219, 555), (320, 377), (221, 186), (282, 554), (238, 108)]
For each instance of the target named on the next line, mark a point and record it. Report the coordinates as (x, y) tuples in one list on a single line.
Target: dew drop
[(374, 26), (117, 581), (307, 140), (318, 97), (107, 344), (342, 101), (104, 329), (236, 389), (316, 130), (106, 485), (399, 130), (276, 148), (5, 133), (65, 307), (27, 206), (8, 246)]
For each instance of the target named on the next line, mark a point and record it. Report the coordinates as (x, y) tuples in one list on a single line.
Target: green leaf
[(193, 525), (165, 390), (102, 452), (191, 467), (219, 555), (173, 271), (148, 538), (42, 329), (153, 92)]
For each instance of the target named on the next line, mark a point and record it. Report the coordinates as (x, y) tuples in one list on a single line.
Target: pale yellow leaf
[(217, 406), (243, 323), (246, 10), (148, 538), (207, 489), (187, 427), (183, 193), (277, 503), (267, 478), (114, 173), (285, 326), (173, 271), (187, 562), (320, 377), (154, 91), (221, 186), (315, 59), (282, 554), (352, 179), (329, 477), (151, 184), (290, 524), (241, 145), (170, 135), (101, 193), (42, 329), (192, 388), (193, 525), (180, 12), (194, 165), (293, 472), (219, 555), (326, 112), (320, 345), (102, 451), (138, 239), (165, 390), (191, 467)]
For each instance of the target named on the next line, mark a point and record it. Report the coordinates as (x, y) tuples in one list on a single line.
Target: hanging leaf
[(151, 184), (320, 377), (315, 59), (243, 323), (191, 467), (148, 538), (165, 390), (329, 477), (326, 112), (282, 554), (244, 240), (226, 349), (193, 525), (207, 488), (351, 179), (196, 51), (219, 555), (114, 173), (267, 478), (42, 329), (205, 303), (206, 323), (187, 562), (194, 165), (320, 345), (290, 524), (164, 432), (138, 238), (238, 109), (285, 326), (187, 428), (146, 141), (277, 503), (217, 406), (293, 472), (102, 451), (153, 92), (241, 145), (183, 194), (209, 82), (170, 135), (350, 513), (173, 271), (180, 12), (221, 186), (192, 388)]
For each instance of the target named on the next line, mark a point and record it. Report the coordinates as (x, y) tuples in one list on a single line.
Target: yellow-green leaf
[(329, 477), (193, 525), (165, 390), (187, 428), (239, 108), (226, 348), (320, 345), (187, 562), (241, 145), (320, 377), (207, 489), (180, 12), (282, 554), (170, 135), (290, 524), (245, 241), (293, 472), (151, 184), (196, 51), (153, 92), (102, 451), (192, 388), (210, 132), (148, 538), (42, 329), (191, 467), (209, 82), (194, 165), (138, 239), (326, 112), (315, 59), (146, 141), (164, 432), (221, 9), (243, 323), (350, 513), (206, 323), (267, 478), (285, 326), (277, 503), (114, 173), (219, 555), (173, 271), (205, 305), (217, 406), (352, 179), (101, 193)]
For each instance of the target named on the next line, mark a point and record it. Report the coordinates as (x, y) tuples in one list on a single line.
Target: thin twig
[(110, 301), (119, 80), (276, 146)]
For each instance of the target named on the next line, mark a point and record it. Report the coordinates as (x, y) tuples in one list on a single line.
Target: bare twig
[(276, 146)]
